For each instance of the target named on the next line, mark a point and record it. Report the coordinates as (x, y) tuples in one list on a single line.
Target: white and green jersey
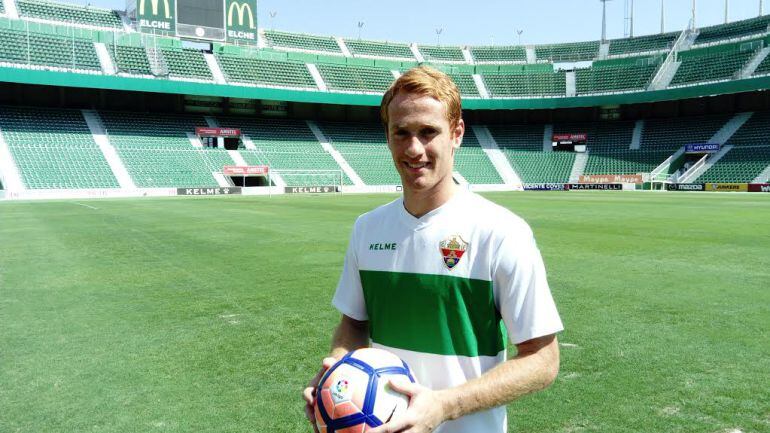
[(442, 291)]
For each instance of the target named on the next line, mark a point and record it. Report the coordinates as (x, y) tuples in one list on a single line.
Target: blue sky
[(482, 22)]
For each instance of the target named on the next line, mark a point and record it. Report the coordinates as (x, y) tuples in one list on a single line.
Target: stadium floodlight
[(727, 8), (692, 20), (760, 7), (604, 19), (360, 26), (519, 32), (272, 17), (662, 18), (438, 35)]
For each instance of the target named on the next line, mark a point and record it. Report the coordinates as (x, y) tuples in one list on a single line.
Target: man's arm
[(350, 334), (532, 369)]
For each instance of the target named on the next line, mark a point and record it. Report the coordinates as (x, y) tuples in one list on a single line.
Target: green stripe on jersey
[(438, 314)]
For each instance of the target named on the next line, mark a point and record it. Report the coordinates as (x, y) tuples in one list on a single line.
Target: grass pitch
[(211, 314)]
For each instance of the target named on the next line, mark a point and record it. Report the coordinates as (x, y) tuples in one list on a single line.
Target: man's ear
[(458, 133)]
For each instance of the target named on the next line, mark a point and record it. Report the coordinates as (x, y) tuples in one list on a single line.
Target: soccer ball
[(353, 395)]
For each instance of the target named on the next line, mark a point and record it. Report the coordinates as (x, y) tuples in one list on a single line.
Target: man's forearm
[(349, 335), (526, 373)]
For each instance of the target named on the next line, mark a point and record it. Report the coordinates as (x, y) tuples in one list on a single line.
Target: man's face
[(421, 141)]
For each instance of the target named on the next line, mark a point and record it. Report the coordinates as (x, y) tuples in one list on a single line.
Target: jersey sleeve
[(349, 296), (524, 298)]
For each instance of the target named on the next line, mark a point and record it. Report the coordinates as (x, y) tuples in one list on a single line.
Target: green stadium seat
[(302, 42), (714, 63), (635, 75), (288, 145), (359, 47), (473, 163), (48, 50), (157, 152), (129, 59), (54, 149), (642, 44), (749, 157), (525, 84), (187, 63), (250, 70), (570, 52), (499, 54), (69, 13), (356, 78), (673, 133), (744, 28), (366, 150), (518, 137), (441, 54)]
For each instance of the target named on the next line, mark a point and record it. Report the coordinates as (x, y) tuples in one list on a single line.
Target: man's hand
[(424, 414), (309, 393)]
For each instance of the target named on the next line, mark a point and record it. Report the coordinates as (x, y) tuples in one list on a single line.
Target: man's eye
[(428, 132)]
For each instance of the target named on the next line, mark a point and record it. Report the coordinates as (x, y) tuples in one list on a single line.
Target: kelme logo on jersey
[(452, 250)]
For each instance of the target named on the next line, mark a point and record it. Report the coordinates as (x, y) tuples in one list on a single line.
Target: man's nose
[(414, 147)]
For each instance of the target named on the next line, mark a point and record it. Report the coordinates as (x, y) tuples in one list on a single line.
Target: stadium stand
[(186, 63), (499, 54), (356, 78), (364, 147), (441, 54), (570, 52), (54, 149), (642, 44), (518, 137), (764, 67), (750, 155), (359, 47), (157, 152), (473, 163), (2, 7), (48, 50), (608, 145), (67, 13), (738, 29), (611, 75), (129, 59), (522, 145), (465, 84), (303, 42), (541, 167), (671, 134), (285, 144), (526, 84), (720, 62), (740, 164), (251, 70)]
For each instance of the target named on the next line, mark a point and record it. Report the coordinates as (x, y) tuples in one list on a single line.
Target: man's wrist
[(449, 403)]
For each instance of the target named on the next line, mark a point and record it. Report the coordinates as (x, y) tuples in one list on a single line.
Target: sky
[(482, 22)]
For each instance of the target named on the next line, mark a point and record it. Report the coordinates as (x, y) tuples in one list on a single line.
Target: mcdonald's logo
[(154, 7), (242, 8)]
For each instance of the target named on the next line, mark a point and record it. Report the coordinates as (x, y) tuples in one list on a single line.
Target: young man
[(432, 277)]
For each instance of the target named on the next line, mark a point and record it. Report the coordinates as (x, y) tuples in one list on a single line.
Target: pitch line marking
[(88, 206)]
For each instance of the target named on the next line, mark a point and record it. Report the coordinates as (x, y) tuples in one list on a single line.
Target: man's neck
[(419, 203)]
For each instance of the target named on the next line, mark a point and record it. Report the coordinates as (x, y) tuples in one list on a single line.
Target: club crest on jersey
[(452, 250)]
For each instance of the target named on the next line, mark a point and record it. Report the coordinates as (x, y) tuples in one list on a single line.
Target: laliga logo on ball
[(354, 394)]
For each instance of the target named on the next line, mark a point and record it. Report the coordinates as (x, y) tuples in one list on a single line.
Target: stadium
[(128, 308)]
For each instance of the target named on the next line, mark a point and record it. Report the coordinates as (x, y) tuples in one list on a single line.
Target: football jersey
[(443, 291)]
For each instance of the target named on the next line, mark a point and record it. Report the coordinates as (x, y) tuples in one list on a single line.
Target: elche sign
[(245, 170)]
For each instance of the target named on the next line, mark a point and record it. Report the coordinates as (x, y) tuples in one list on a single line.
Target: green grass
[(211, 314)]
